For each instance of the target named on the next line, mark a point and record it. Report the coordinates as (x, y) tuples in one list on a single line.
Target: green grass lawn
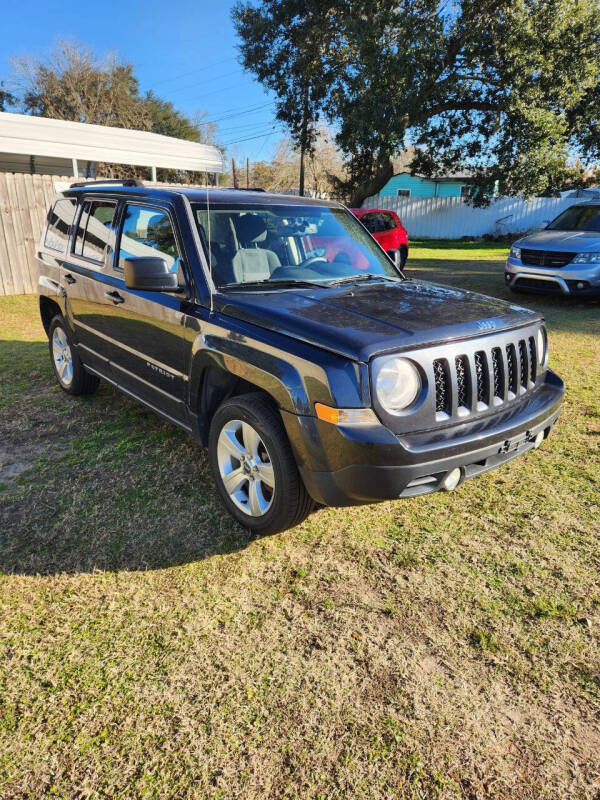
[(441, 647)]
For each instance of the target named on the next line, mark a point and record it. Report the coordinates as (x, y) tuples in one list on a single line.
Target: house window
[(465, 191), (403, 192)]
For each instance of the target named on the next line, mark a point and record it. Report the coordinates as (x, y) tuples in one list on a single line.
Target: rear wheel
[(70, 372), (254, 468)]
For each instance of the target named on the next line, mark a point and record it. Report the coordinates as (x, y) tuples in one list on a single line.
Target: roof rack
[(240, 188), (111, 181)]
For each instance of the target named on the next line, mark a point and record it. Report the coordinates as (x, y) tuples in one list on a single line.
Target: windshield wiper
[(369, 276), (281, 283)]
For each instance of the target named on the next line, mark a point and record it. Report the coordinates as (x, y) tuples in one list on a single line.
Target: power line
[(194, 71), (237, 113), (251, 138), (195, 85)]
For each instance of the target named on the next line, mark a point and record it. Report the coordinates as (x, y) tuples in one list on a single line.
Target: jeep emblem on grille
[(486, 324)]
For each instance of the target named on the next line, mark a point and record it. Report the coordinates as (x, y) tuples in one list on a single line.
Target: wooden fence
[(24, 203)]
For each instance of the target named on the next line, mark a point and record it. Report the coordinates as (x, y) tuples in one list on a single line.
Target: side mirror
[(150, 274)]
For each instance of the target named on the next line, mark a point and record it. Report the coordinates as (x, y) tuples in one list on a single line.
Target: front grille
[(511, 360), (484, 378), (442, 381), (523, 362), (532, 360), (538, 285), (498, 367), (546, 258), (462, 380)]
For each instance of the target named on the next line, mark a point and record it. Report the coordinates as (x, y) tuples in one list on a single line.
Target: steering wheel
[(313, 260)]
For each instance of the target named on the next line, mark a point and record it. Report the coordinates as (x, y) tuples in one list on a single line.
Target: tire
[(70, 373), (248, 447), (402, 255)]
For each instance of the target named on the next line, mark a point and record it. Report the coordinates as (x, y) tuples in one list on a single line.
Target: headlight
[(515, 252), (542, 346), (397, 384), (586, 258)]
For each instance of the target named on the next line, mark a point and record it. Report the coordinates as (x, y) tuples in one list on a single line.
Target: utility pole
[(247, 173), (234, 174)]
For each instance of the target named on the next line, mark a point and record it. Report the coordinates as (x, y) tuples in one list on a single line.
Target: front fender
[(296, 375)]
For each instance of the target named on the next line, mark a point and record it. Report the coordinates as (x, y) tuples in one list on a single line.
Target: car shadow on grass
[(98, 483)]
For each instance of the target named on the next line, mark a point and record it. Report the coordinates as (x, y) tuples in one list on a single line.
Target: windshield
[(270, 244), (577, 218)]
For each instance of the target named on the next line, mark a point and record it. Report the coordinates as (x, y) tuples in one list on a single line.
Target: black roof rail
[(111, 181), (240, 188)]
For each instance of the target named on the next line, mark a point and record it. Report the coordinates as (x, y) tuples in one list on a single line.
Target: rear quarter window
[(59, 221)]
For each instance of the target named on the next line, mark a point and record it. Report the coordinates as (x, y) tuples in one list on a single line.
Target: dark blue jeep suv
[(311, 377)]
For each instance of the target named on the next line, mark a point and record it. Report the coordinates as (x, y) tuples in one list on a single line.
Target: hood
[(569, 241), (364, 319)]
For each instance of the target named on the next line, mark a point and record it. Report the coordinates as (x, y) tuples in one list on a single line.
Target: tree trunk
[(301, 180), (303, 138), (372, 185), (234, 175)]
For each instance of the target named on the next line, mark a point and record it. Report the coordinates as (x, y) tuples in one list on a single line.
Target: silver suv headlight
[(586, 258), (397, 383), (515, 252)]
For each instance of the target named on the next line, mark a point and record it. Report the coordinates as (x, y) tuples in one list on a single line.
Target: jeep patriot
[(311, 379)]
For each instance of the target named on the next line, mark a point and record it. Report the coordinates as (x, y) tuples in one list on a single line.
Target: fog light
[(538, 439), (580, 285), (451, 479)]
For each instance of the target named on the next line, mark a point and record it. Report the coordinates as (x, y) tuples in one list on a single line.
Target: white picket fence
[(452, 217)]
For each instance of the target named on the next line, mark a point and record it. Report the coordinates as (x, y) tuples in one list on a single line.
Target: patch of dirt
[(14, 462)]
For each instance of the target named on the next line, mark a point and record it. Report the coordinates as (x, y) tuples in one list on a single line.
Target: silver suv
[(563, 258)]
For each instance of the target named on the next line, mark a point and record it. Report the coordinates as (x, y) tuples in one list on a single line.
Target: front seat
[(253, 262)]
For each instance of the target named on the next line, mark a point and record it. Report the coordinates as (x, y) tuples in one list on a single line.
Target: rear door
[(85, 279)]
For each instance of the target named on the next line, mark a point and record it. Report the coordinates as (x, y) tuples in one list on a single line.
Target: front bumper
[(572, 279), (372, 464)]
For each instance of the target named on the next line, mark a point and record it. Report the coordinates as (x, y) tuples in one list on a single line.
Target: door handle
[(69, 278), (115, 297)]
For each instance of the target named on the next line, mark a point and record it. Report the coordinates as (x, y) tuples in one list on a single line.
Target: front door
[(148, 352)]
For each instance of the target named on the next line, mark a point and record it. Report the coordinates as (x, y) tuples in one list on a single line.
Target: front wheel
[(401, 256), (254, 468)]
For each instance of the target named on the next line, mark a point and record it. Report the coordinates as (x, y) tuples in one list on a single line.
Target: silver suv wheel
[(245, 468), (63, 358)]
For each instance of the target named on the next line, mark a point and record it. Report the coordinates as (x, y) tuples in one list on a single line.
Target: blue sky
[(184, 50)]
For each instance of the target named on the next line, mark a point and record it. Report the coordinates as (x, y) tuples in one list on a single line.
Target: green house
[(406, 185)]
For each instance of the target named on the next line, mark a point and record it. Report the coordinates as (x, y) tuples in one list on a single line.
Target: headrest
[(250, 227)]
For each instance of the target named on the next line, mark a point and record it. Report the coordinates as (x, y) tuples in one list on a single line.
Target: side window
[(94, 230), (60, 219), (149, 232), (366, 220)]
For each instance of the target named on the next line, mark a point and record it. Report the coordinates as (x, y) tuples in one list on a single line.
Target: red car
[(385, 226)]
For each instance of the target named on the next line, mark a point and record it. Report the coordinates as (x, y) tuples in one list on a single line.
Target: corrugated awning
[(39, 136)]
